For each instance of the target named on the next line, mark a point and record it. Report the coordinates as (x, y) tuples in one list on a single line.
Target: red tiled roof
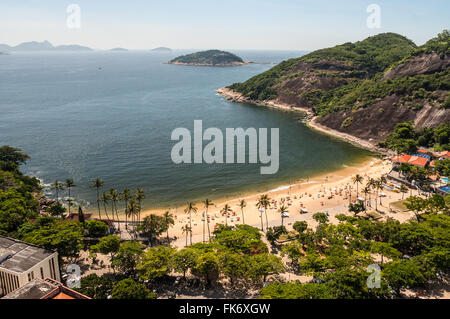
[(445, 154), (418, 161), (62, 295), (413, 160), (402, 158)]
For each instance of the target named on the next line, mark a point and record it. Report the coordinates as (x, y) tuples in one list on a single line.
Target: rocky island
[(209, 58), (161, 49)]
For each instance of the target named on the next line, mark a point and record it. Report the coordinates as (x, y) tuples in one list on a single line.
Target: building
[(22, 262), (44, 289), (444, 155), (416, 160)]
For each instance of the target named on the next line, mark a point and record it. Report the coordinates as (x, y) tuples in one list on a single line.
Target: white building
[(21, 262)]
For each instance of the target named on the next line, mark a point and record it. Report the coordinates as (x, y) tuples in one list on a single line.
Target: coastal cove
[(110, 115)]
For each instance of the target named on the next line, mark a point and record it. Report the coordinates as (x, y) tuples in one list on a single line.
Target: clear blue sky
[(230, 24)]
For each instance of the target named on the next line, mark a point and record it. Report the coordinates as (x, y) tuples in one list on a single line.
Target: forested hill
[(209, 58), (363, 88)]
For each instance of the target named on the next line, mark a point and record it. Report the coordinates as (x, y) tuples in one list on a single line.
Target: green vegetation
[(17, 203), (336, 255), (361, 59), (210, 57), (364, 93), (96, 287), (411, 253), (66, 237), (359, 83), (405, 139), (443, 167), (440, 45), (129, 289)]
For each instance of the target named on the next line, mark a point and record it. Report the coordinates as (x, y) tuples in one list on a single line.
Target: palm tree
[(188, 210), (81, 216), (98, 183), (69, 185), (57, 186), (169, 221), (371, 184), (283, 209), (403, 190), (381, 181), (377, 186), (357, 179), (242, 204), (207, 203), (104, 198), (186, 230), (139, 194), (366, 191), (126, 196), (115, 197), (225, 210), (133, 210), (264, 202)]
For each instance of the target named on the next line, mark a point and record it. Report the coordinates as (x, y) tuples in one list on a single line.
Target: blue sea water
[(111, 114)]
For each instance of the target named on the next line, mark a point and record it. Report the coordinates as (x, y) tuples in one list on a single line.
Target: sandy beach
[(329, 193)]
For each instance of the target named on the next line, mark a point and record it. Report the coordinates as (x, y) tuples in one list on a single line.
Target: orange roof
[(402, 158), (421, 150), (445, 154), (413, 160), (418, 161), (62, 295), (432, 163)]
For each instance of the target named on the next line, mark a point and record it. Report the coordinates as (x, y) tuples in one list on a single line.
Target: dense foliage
[(406, 139), (338, 256), (360, 81), (210, 57), (17, 203), (362, 58)]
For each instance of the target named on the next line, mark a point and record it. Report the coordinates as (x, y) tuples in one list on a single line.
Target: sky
[(207, 24)]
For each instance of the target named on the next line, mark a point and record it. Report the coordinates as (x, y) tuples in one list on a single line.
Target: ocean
[(111, 114)]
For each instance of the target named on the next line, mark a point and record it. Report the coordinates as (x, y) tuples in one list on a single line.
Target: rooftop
[(415, 160), (19, 256), (44, 289)]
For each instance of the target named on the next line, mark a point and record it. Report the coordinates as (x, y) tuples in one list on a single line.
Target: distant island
[(209, 58), (119, 50), (42, 46), (161, 49)]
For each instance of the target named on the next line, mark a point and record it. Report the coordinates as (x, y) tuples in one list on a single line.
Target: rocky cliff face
[(365, 88), (377, 120)]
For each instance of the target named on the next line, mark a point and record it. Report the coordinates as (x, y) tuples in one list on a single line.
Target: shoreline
[(312, 181), (327, 192), (311, 122)]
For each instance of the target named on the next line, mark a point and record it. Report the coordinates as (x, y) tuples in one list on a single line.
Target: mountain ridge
[(361, 89), (42, 46)]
